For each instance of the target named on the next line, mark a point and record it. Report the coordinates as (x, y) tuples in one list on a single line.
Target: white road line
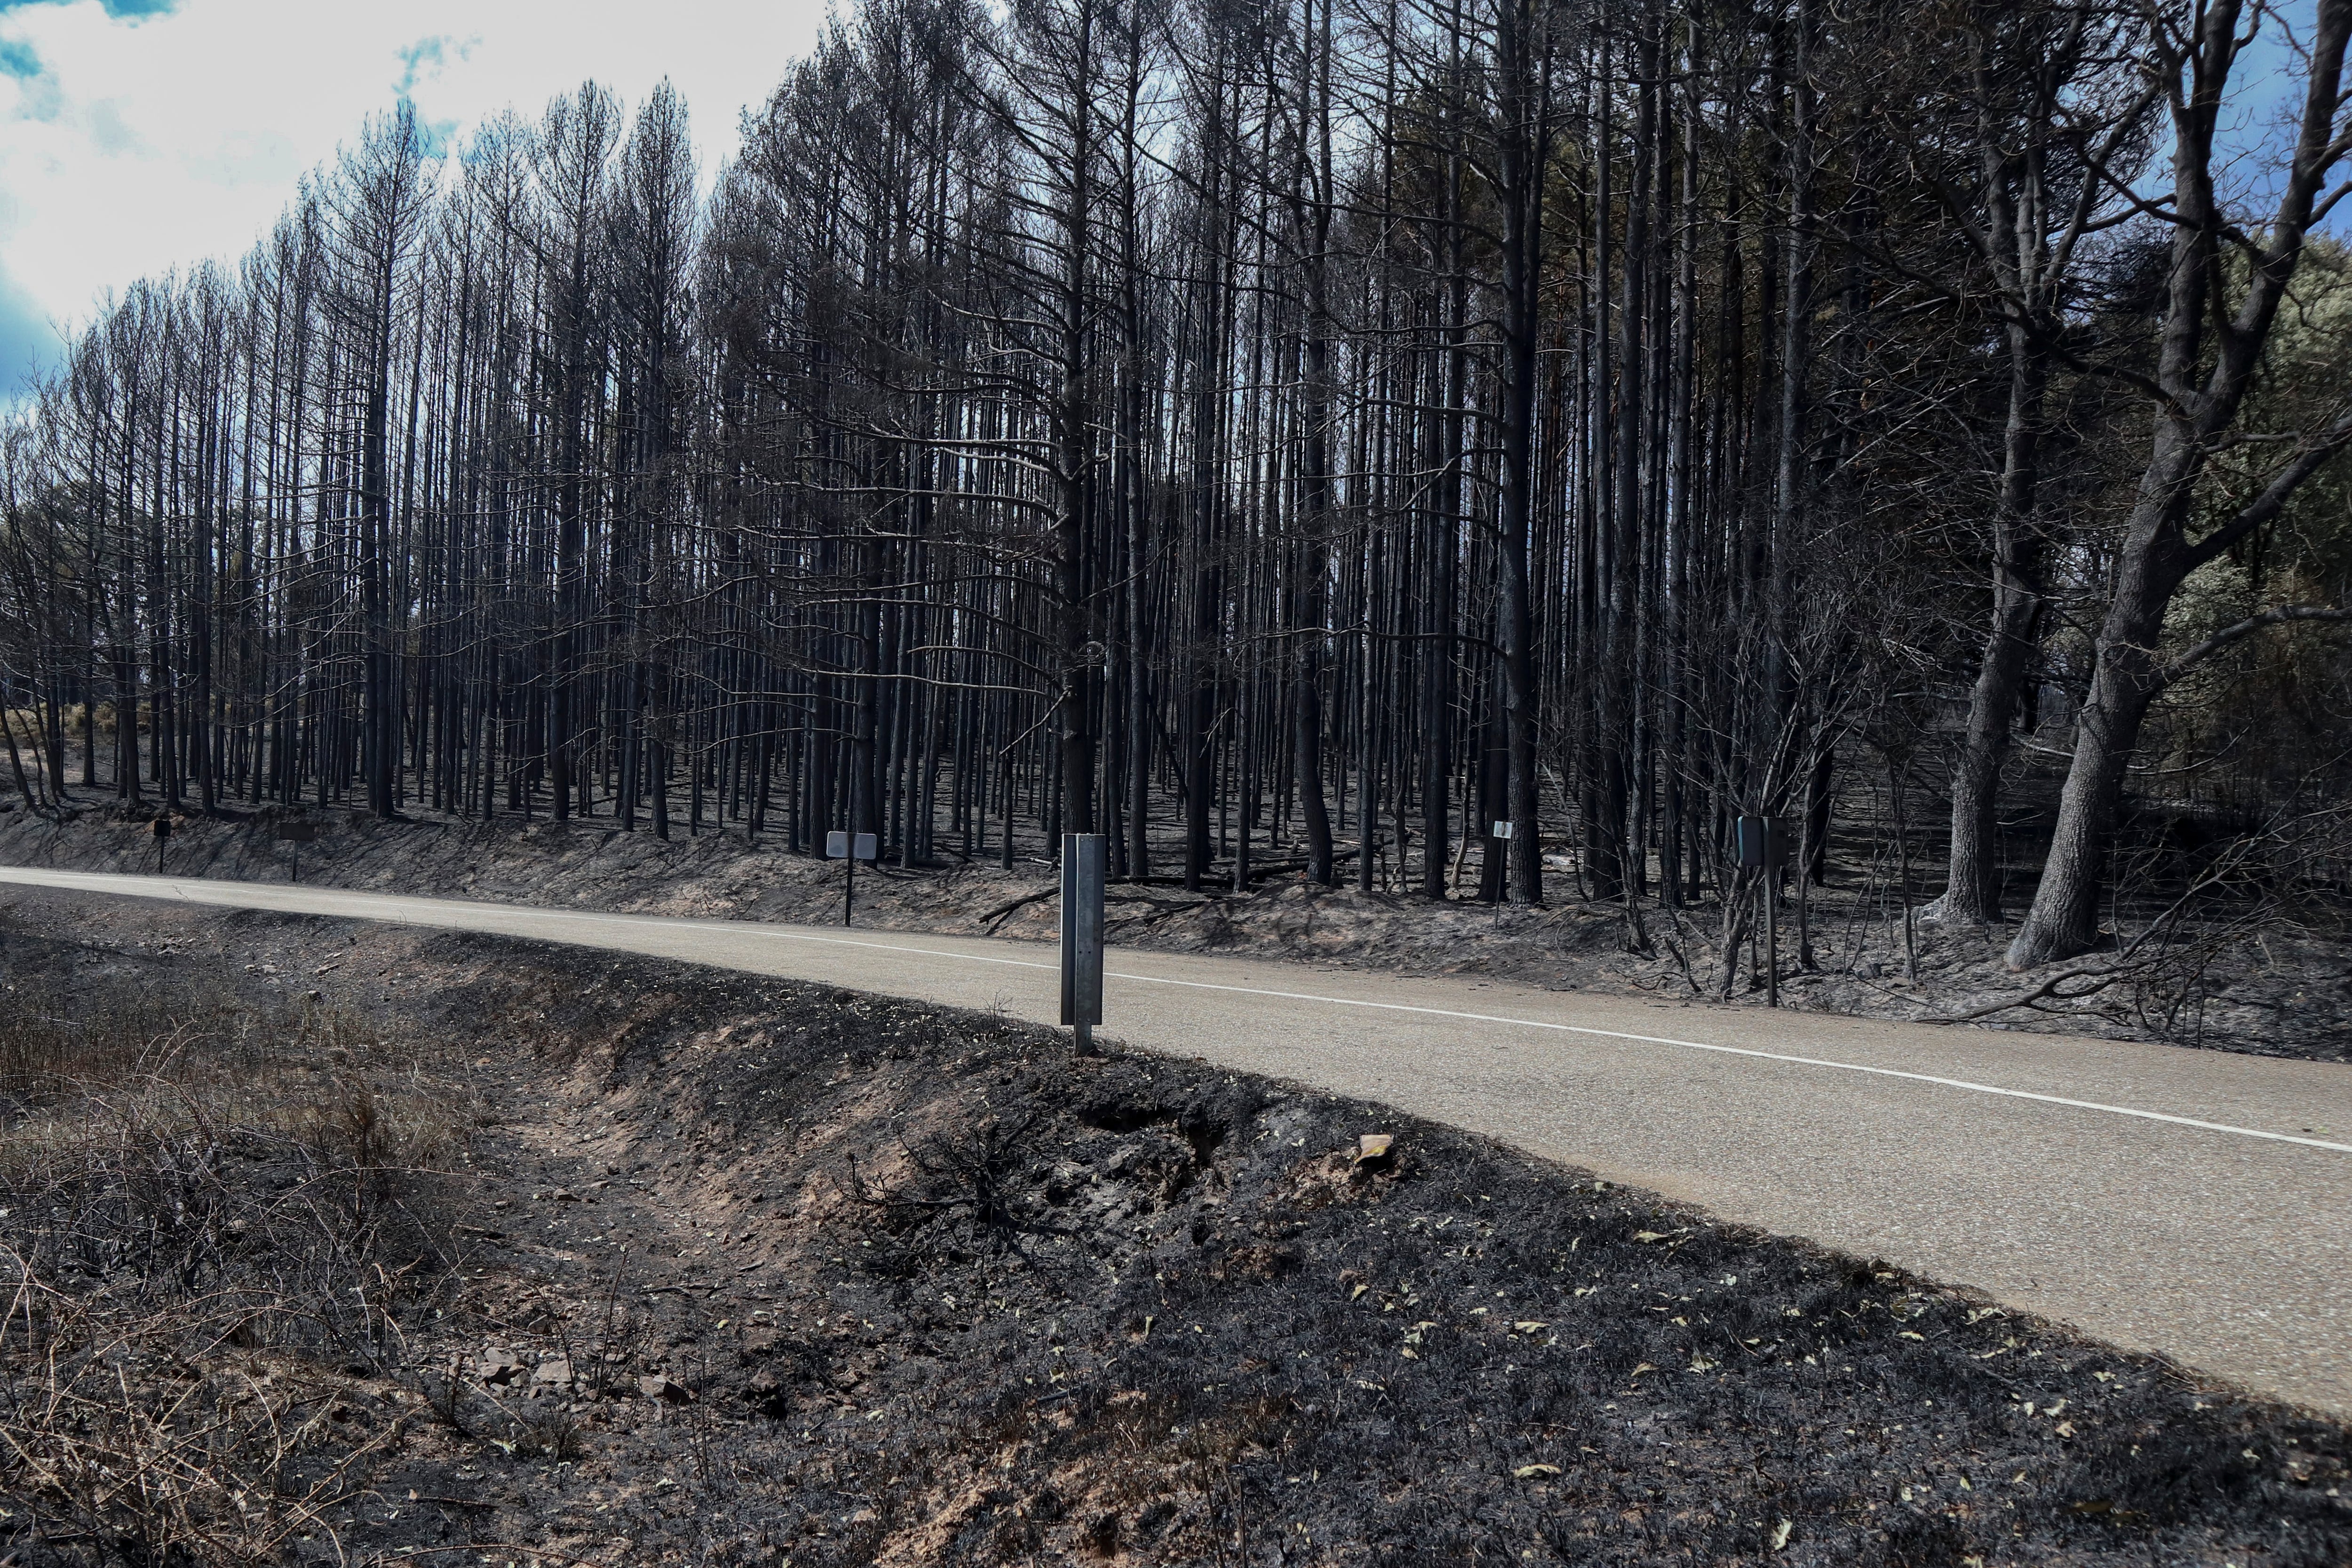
[(1563, 1028), (1767, 1056), (748, 928)]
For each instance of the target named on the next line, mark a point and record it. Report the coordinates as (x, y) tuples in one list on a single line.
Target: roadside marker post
[(1084, 858), (1762, 843), (297, 833), (852, 847), (1502, 833), (163, 831)]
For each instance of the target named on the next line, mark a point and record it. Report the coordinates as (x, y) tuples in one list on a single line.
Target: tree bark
[(2207, 360)]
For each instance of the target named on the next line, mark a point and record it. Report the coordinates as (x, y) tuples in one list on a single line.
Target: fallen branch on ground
[(2048, 988)]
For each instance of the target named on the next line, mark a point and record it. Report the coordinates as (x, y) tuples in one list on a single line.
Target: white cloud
[(129, 147)]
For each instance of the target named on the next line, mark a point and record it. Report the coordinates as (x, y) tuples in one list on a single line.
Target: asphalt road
[(2193, 1202)]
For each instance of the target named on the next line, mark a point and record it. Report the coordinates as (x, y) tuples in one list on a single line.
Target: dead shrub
[(120, 1445), (209, 1218)]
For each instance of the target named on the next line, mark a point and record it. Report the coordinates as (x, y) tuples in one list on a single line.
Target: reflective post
[(1084, 858), (1501, 836)]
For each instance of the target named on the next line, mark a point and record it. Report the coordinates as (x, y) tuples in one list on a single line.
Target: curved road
[(2190, 1201)]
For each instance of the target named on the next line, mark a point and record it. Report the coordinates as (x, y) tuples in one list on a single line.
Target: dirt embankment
[(728, 1270), (2279, 990)]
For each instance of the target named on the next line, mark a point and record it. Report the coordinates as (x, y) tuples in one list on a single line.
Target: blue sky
[(141, 135)]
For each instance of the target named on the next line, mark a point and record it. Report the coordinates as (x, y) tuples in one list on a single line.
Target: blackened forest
[(1289, 436)]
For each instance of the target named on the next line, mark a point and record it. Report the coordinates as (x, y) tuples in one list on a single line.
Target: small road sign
[(838, 846), (1761, 842), (296, 831), (851, 848)]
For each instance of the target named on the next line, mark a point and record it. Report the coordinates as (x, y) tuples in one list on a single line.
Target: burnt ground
[(2274, 986), (734, 1270)]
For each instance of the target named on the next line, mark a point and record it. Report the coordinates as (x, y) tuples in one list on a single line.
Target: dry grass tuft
[(211, 1218), (120, 1447)]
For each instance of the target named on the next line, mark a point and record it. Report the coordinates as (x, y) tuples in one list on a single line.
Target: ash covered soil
[(2278, 988), (731, 1270)]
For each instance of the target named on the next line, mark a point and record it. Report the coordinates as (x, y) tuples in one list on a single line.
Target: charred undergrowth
[(752, 1272), (216, 1213), (1026, 1304)]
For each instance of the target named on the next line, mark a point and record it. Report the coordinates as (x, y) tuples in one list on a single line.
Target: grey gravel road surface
[(2193, 1202)]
